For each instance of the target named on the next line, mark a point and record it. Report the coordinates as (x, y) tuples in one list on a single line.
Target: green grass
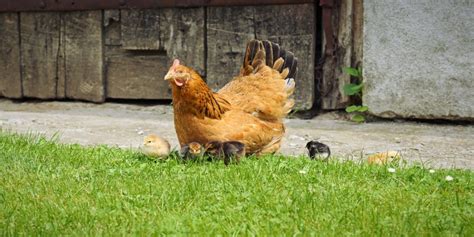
[(50, 189)]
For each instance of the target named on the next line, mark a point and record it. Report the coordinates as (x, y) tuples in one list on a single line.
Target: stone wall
[(419, 58)]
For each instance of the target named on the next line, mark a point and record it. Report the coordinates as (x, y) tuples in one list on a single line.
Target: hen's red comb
[(175, 64)]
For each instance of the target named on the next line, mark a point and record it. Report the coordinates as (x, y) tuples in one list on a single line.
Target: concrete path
[(125, 125)]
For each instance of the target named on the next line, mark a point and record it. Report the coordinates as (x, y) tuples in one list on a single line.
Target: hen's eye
[(149, 141)]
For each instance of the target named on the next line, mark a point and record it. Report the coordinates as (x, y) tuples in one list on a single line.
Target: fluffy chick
[(156, 146), (233, 150), (318, 150), (382, 158), (213, 149), (192, 151), (226, 151)]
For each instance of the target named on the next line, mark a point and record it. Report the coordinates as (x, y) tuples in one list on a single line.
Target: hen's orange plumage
[(248, 109)]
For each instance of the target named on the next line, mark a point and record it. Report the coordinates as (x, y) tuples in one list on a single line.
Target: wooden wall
[(124, 54), (347, 25)]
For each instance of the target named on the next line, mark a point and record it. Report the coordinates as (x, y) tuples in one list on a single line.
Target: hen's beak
[(169, 75), (178, 78)]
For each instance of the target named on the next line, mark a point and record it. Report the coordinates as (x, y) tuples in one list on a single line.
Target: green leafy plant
[(355, 89), (352, 89), (357, 111)]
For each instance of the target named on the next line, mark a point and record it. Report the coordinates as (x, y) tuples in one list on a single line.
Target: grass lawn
[(51, 189)]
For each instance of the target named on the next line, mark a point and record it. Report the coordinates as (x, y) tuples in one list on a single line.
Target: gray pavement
[(125, 125)]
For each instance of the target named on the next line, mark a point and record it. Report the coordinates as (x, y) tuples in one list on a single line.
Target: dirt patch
[(124, 125)]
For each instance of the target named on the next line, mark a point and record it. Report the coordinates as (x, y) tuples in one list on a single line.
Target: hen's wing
[(265, 82)]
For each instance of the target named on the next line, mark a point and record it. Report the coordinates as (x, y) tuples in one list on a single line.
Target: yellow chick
[(154, 145), (381, 158)]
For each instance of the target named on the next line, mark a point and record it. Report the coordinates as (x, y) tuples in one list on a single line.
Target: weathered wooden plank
[(136, 74), (71, 5), (228, 31), (61, 72), (40, 34), (333, 77), (112, 27), (357, 32), (84, 58), (182, 36), (10, 78), (344, 53), (140, 29), (292, 26)]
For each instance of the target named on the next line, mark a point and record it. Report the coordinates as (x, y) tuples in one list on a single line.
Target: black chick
[(213, 149), (225, 150), (192, 151), (233, 150), (318, 150)]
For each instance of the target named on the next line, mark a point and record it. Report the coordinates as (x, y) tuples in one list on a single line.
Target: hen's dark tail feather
[(259, 53)]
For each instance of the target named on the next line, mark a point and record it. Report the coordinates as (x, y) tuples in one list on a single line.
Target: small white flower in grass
[(431, 171), (449, 178), (391, 170), (303, 171)]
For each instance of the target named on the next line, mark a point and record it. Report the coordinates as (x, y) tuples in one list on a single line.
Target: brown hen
[(249, 109)]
